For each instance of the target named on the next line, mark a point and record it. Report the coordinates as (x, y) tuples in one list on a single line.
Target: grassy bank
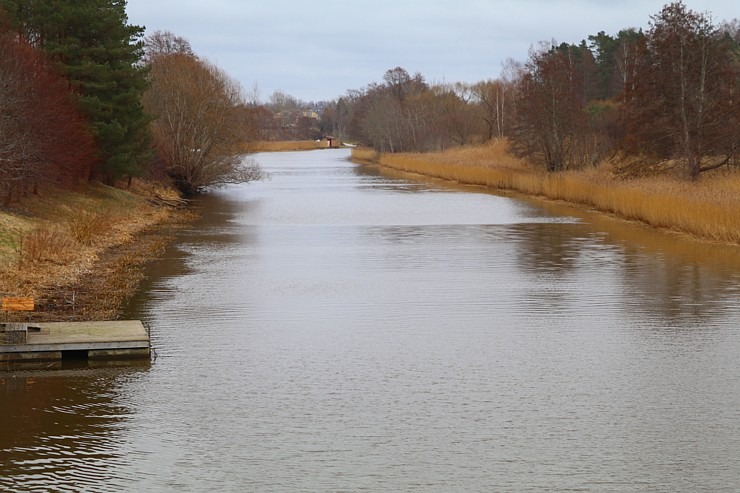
[(708, 209), (81, 255)]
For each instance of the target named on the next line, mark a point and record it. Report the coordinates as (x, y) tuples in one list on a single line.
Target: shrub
[(87, 227), (45, 244)]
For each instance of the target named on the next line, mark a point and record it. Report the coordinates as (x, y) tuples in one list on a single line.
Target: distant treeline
[(671, 93), (84, 96)]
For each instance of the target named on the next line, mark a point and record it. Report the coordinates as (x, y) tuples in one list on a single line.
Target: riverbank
[(81, 255), (708, 210), (290, 145), (284, 145)]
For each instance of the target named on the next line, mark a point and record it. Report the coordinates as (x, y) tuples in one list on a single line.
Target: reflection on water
[(61, 429), (335, 329), (682, 291)]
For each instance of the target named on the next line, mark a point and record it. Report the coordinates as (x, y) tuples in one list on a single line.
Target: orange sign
[(17, 304)]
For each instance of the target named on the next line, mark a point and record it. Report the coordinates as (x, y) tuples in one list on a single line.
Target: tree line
[(671, 93), (83, 95)]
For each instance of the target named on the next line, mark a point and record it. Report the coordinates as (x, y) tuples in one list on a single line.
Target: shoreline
[(103, 291), (708, 211), (94, 281)]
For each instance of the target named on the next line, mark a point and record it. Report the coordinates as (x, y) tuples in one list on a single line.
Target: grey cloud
[(319, 50)]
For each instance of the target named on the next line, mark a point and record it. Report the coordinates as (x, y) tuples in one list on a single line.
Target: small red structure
[(329, 140)]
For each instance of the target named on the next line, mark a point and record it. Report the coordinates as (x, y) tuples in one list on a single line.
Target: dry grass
[(46, 244), (88, 227), (708, 209), (283, 145), (54, 242)]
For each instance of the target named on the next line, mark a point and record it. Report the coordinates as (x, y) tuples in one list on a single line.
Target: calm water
[(333, 329)]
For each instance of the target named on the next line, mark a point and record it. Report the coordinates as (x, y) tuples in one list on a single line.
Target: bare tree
[(456, 115), (381, 120), (43, 137), (198, 123), (494, 98), (336, 118), (163, 43), (684, 103), (253, 96), (553, 127)]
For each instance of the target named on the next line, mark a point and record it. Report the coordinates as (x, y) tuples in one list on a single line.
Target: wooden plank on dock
[(124, 338), (112, 331)]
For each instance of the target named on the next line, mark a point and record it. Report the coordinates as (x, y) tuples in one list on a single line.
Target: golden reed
[(283, 145), (708, 209)]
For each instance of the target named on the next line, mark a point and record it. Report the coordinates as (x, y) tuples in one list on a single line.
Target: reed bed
[(708, 209), (283, 145)]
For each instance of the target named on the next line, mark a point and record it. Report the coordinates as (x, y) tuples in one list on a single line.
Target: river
[(335, 329)]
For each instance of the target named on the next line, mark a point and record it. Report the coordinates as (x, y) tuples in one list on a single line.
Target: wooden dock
[(51, 341)]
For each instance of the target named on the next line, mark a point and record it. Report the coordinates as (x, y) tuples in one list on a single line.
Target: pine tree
[(100, 54)]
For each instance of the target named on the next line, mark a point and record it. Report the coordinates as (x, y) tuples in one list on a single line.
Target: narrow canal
[(334, 329)]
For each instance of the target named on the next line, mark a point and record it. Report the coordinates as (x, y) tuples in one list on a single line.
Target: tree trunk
[(9, 196)]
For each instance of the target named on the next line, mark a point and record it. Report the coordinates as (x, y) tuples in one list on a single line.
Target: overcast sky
[(318, 50)]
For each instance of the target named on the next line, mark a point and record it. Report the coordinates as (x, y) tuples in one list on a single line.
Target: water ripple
[(335, 330)]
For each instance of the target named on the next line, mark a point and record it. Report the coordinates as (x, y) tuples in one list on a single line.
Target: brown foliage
[(42, 135), (198, 124), (406, 114), (46, 244), (495, 102), (555, 127), (683, 102)]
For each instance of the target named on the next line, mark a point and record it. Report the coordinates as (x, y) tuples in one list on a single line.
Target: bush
[(45, 244), (87, 227)]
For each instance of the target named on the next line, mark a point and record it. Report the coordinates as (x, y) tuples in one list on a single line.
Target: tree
[(337, 117), (396, 116), (616, 58), (288, 119), (456, 116), (553, 127), (684, 100), (493, 99), (381, 119), (163, 43), (405, 114), (93, 46), (197, 123), (43, 137), (401, 85)]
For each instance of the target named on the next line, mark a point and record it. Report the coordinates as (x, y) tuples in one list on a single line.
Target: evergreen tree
[(100, 54)]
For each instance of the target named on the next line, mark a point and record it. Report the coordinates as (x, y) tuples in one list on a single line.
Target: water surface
[(333, 329)]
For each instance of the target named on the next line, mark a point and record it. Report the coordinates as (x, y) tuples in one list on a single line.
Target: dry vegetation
[(284, 145), (80, 255), (708, 209)]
